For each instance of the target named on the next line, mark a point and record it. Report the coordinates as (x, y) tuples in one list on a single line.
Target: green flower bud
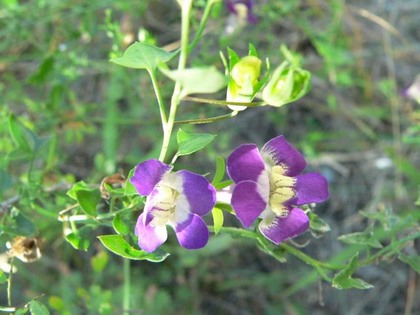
[(244, 80), (287, 84)]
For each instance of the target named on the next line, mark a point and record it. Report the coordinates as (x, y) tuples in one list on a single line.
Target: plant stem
[(127, 286), (156, 88), (221, 103), (205, 120), (203, 23), (176, 95), (9, 284), (308, 259)]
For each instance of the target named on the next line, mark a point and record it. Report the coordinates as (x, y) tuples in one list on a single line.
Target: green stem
[(127, 286), (393, 247), (202, 25), (158, 94), (308, 259), (176, 95), (9, 284), (220, 102), (206, 120), (295, 252)]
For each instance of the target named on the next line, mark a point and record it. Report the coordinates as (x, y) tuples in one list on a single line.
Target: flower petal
[(245, 163), (310, 187), (248, 202), (193, 233), (283, 153), (149, 237), (278, 229), (200, 194), (148, 174)]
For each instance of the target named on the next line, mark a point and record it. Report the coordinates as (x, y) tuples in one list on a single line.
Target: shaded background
[(354, 127)]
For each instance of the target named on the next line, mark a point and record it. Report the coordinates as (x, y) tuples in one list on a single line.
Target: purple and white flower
[(243, 9), (269, 185), (178, 199), (413, 91)]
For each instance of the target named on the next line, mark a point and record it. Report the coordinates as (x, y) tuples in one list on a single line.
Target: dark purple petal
[(149, 237), (200, 194), (310, 187), (245, 163), (148, 174), (279, 229), (283, 153), (248, 202), (193, 233)]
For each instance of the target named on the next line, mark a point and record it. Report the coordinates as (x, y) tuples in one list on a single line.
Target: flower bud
[(244, 80), (287, 84)]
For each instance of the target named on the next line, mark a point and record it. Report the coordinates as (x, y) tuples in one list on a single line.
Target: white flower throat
[(281, 190), (164, 203)]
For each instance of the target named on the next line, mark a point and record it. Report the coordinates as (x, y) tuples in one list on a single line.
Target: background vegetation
[(67, 114)]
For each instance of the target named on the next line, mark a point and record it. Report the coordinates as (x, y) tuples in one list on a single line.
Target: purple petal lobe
[(282, 152), (149, 237), (247, 202), (278, 229), (311, 187), (245, 163), (200, 194), (148, 174), (193, 233)]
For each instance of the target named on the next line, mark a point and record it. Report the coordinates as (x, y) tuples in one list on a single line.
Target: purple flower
[(268, 185), (177, 199), (242, 9), (413, 91)]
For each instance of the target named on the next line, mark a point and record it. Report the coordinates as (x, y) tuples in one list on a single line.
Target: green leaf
[(88, 200), (3, 278), (317, 225), (22, 224), (37, 308), (87, 197), (344, 280), (22, 136), (252, 51), (143, 56), (220, 170), (120, 226), (413, 261), (79, 239), (360, 238), (217, 219), (191, 142), (99, 261), (129, 189), (21, 311), (233, 58), (198, 80), (118, 245)]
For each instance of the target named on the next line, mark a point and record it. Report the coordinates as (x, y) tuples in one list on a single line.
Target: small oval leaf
[(143, 56), (192, 142), (118, 245)]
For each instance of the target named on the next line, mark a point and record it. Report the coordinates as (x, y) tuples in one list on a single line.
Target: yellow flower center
[(281, 190), (164, 204)]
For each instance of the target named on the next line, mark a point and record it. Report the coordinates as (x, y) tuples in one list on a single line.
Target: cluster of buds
[(286, 84)]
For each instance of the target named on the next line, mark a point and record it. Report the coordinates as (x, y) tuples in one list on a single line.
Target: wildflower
[(178, 199), (242, 9), (243, 81), (269, 186), (413, 91)]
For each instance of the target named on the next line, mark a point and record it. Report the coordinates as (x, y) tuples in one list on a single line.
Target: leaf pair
[(192, 80)]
